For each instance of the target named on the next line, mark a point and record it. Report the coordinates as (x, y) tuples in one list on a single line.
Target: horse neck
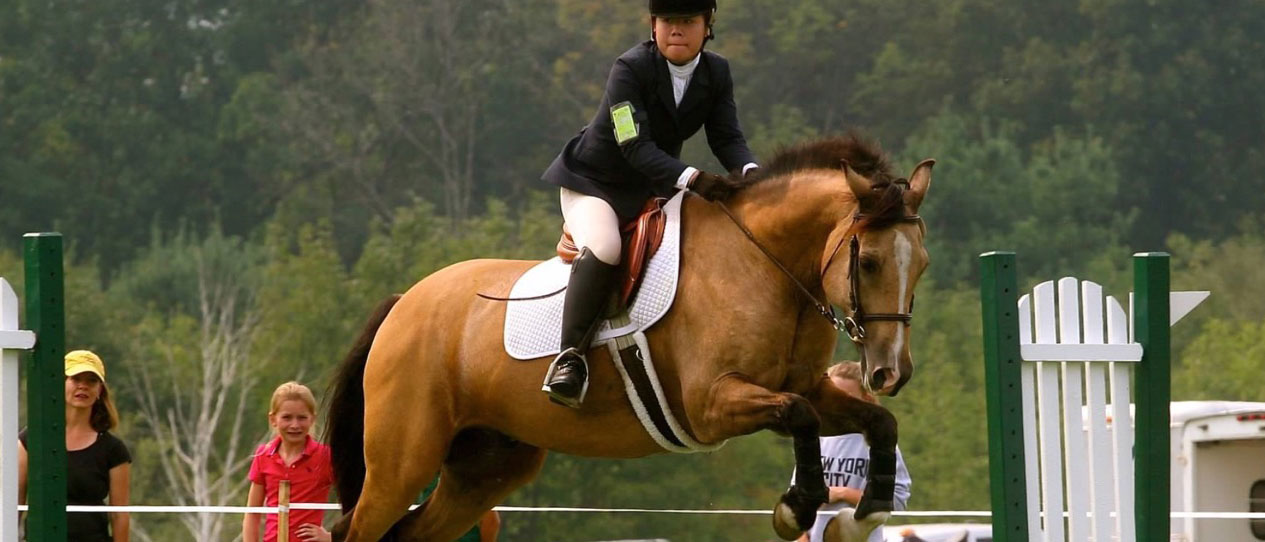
[(794, 217)]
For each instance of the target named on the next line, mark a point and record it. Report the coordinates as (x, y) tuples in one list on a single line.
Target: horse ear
[(919, 180), (861, 187)]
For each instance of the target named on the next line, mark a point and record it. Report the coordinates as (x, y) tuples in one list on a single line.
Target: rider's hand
[(713, 187)]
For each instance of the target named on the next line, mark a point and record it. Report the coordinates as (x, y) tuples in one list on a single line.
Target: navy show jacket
[(628, 175)]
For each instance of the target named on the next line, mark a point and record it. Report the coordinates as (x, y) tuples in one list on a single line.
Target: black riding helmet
[(685, 8), (680, 8)]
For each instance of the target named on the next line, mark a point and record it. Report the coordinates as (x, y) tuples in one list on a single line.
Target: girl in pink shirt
[(295, 456)]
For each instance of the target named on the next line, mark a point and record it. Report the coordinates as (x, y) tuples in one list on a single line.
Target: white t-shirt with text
[(845, 461)]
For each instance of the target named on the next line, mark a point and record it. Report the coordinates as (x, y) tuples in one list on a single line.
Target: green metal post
[(1008, 489), (45, 386), (1151, 419)]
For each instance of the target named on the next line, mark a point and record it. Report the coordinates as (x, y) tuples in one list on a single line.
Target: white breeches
[(593, 223)]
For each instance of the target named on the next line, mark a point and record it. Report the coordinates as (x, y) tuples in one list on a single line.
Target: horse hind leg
[(395, 476), (483, 467)]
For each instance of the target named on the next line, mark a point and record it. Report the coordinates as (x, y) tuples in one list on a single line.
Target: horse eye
[(869, 265)]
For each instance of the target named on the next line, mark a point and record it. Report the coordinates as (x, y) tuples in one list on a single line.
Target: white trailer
[(1218, 465)]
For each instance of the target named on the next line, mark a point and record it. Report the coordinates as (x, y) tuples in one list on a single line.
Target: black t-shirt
[(88, 483)]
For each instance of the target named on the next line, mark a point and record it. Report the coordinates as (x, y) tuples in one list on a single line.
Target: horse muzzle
[(888, 381)]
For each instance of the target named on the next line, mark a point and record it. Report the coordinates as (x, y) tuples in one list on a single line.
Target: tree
[(193, 387)]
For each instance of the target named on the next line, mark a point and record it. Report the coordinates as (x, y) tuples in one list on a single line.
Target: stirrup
[(572, 402)]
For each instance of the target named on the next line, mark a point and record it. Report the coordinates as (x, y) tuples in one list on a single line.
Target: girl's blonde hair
[(292, 391), (847, 370)]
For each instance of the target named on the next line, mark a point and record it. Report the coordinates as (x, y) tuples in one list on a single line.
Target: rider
[(659, 93)]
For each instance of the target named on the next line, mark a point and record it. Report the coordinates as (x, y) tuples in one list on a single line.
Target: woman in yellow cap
[(98, 463)]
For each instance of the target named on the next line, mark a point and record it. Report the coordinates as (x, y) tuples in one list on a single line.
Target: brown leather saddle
[(641, 240)]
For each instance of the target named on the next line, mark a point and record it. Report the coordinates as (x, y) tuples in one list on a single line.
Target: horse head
[(871, 265)]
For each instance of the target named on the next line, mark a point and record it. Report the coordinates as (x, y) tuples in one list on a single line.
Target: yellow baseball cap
[(83, 361)]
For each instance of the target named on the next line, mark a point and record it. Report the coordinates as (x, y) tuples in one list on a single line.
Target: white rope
[(145, 509)]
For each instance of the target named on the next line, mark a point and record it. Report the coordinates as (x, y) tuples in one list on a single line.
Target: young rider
[(658, 94)]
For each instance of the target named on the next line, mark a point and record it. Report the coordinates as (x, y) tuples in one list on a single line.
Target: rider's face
[(680, 38)]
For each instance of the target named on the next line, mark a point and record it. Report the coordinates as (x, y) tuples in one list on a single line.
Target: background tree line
[(240, 182)]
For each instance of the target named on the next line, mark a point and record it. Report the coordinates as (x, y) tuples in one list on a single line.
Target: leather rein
[(853, 324)]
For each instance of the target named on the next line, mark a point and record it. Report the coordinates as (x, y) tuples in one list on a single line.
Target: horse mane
[(862, 154)]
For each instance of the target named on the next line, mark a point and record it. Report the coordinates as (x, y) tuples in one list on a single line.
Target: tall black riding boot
[(588, 291)]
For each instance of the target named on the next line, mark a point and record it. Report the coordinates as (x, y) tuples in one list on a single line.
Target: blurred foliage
[(326, 154)]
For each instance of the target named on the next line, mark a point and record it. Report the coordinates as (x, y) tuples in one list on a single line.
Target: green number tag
[(625, 126)]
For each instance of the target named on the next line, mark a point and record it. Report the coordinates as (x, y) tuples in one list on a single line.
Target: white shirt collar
[(684, 71)]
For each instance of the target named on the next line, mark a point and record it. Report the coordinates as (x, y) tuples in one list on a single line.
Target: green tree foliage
[(1043, 201), (314, 157)]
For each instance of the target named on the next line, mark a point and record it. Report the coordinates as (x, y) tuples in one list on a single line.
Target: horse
[(428, 387)]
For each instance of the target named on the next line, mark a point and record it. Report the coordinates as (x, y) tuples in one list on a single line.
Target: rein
[(823, 308), (852, 324)]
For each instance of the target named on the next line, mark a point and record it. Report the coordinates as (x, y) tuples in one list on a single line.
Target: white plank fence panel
[(1027, 388), (1101, 469), (1076, 461), (1077, 431), (11, 339), (1118, 332), (1045, 326)]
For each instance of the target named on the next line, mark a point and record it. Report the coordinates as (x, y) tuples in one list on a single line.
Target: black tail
[(345, 418)]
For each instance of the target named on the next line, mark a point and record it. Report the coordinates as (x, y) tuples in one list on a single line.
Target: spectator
[(295, 456), (98, 464), (845, 461)]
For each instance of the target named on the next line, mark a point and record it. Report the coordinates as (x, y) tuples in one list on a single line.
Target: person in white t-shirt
[(845, 461)]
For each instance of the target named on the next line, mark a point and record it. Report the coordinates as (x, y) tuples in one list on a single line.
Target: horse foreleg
[(738, 407), (841, 414)]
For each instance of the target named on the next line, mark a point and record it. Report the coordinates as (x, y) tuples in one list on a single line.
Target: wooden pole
[(283, 512)]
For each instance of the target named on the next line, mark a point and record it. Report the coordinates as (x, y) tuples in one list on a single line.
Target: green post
[(1007, 487), (1151, 419), (45, 386)]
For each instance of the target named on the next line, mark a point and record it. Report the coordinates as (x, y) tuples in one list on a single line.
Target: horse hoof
[(846, 528), (784, 523)]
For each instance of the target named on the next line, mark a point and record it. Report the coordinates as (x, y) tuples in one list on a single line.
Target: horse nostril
[(879, 377)]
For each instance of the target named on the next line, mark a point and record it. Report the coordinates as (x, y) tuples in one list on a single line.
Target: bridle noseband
[(852, 324)]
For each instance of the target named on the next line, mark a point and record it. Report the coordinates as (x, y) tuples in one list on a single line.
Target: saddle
[(641, 240)]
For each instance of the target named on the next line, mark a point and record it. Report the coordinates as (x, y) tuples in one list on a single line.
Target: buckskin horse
[(428, 387)]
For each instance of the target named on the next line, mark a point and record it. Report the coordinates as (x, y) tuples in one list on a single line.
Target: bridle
[(852, 324)]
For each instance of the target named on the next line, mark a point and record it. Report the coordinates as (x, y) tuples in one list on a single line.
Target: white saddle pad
[(533, 329)]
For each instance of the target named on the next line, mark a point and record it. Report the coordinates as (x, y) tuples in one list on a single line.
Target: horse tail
[(345, 418)]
